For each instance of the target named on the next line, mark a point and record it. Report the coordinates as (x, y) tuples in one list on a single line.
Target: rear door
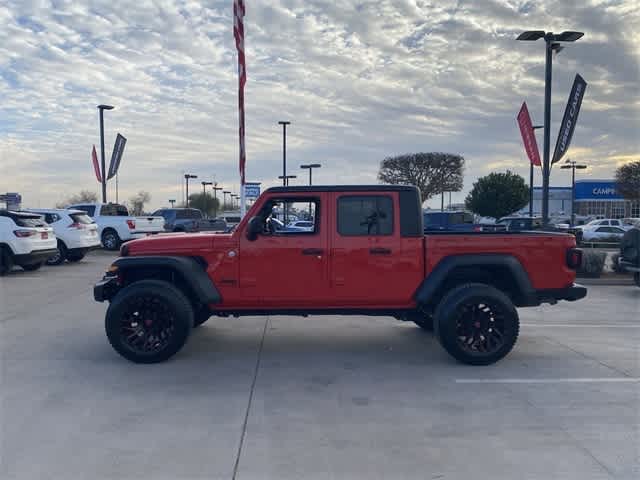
[(371, 262)]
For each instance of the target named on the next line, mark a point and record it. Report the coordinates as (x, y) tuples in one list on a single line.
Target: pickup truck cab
[(189, 220), (116, 226), (365, 255), (25, 240)]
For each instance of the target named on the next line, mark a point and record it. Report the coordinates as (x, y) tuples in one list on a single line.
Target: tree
[(628, 180), (137, 202), (432, 172), (204, 202), (498, 194), (85, 196)]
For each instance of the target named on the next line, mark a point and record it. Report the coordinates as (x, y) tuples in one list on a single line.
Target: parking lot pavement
[(315, 398)]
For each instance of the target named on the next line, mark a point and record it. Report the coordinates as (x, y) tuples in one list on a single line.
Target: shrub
[(592, 264)]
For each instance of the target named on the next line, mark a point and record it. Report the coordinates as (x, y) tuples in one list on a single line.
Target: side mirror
[(254, 228)]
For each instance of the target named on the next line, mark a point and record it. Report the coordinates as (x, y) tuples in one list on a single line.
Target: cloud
[(359, 81)]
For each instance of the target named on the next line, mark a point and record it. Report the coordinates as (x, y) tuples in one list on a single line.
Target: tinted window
[(604, 230), (365, 215), (181, 214), (195, 214), (81, 218), (51, 217), (25, 220), (114, 210), (617, 230), (90, 209)]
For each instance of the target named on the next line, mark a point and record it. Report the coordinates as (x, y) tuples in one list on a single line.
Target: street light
[(215, 189), (187, 176), (172, 202), (551, 40), (573, 165), (310, 167), (204, 196), (224, 204), (102, 108), (284, 152), (285, 179)]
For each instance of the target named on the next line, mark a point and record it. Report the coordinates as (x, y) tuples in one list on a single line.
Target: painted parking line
[(578, 325), (549, 380)]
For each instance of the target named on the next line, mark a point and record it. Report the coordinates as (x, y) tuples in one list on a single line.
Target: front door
[(286, 266)]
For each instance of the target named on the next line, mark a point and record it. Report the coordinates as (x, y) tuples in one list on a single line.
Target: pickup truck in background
[(189, 220), (116, 226), (455, 221), (366, 255)]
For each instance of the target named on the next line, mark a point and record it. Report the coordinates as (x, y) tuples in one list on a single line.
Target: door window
[(365, 215), (282, 215)]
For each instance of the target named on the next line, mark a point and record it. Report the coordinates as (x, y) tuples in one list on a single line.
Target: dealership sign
[(590, 190), (570, 118), (252, 190), (116, 156), (528, 135)]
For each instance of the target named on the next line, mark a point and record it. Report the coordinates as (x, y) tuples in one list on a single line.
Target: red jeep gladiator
[(361, 251)]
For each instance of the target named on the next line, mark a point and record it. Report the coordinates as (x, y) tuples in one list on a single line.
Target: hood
[(177, 243)]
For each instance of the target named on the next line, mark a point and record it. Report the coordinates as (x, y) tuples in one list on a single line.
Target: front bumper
[(571, 294), (106, 288), (35, 256)]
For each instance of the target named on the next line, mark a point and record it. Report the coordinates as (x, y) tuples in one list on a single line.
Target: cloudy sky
[(360, 80)]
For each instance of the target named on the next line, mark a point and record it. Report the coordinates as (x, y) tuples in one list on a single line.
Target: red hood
[(179, 244)]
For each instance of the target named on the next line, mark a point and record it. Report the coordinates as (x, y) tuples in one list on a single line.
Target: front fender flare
[(189, 269)]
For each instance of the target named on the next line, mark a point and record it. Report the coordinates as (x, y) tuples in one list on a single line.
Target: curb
[(607, 280)]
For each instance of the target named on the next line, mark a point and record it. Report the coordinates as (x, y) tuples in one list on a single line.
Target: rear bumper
[(35, 256), (571, 294)]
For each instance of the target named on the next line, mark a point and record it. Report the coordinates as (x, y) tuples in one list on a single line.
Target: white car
[(306, 225), (116, 226), (602, 233), (604, 222), (76, 232), (25, 240)]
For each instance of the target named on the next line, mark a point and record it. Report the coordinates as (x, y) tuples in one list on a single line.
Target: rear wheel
[(32, 267), (6, 261), (75, 256), (149, 321), (110, 239), (477, 324), (60, 256)]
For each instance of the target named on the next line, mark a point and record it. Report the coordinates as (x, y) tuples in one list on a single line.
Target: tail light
[(25, 233), (132, 224), (574, 258), (477, 228), (76, 225)]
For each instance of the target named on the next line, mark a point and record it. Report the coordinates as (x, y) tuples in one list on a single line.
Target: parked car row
[(25, 240)]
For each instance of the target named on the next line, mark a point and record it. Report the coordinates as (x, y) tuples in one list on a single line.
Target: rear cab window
[(114, 210), (365, 215), (90, 209)]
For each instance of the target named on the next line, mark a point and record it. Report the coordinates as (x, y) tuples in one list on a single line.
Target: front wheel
[(60, 255), (149, 321), (477, 324)]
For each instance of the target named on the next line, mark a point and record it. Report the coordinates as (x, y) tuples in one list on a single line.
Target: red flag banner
[(528, 135), (96, 166), (238, 33)]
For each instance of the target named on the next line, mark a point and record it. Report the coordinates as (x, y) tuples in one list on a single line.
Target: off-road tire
[(138, 296), (110, 239), (494, 313)]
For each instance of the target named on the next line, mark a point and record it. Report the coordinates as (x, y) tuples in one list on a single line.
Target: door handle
[(312, 251), (380, 251)]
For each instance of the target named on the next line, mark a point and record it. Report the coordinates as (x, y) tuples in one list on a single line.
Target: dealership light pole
[(204, 196), (187, 176), (215, 189), (551, 41), (172, 202), (285, 179), (310, 167), (102, 108), (224, 203), (573, 165), (284, 152)]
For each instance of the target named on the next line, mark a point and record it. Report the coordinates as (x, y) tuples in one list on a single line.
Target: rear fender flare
[(438, 276)]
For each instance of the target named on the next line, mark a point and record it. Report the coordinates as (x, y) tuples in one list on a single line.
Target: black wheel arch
[(186, 273), (501, 271)]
